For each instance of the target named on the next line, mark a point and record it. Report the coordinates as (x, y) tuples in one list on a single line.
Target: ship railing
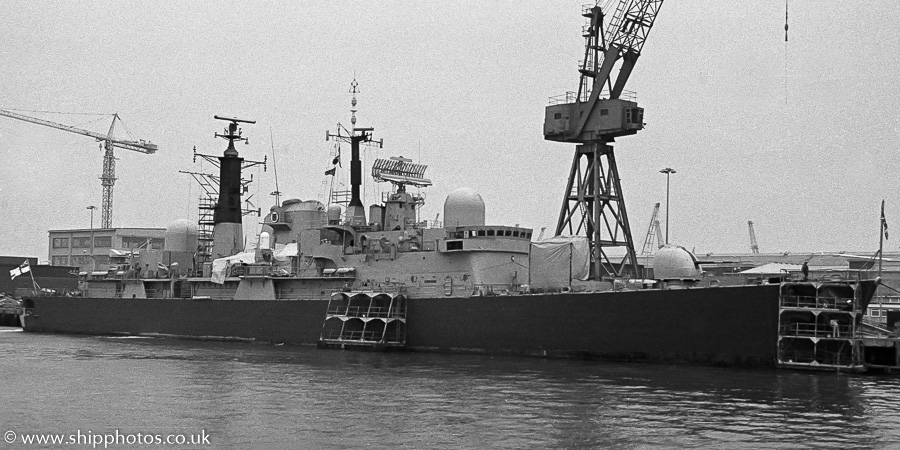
[(812, 302), (366, 312), (295, 293), (355, 335), (568, 97), (489, 289), (812, 329)]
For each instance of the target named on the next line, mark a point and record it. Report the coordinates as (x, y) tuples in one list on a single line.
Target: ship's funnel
[(228, 233)]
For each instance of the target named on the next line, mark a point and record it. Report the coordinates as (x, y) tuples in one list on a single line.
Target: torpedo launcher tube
[(228, 233)]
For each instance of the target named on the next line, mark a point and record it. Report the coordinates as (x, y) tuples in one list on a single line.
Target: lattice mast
[(593, 117)]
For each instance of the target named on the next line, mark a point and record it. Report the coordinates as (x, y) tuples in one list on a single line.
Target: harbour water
[(244, 395)]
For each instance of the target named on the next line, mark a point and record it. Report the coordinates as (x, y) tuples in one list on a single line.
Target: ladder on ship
[(374, 320)]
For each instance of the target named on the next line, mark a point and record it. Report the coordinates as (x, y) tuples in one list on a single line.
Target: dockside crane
[(754, 247), (108, 178), (593, 117)]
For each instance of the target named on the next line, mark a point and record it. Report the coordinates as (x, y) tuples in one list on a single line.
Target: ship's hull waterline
[(722, 326)]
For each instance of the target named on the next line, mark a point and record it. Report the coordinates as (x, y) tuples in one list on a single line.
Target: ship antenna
[(277, 192), (356, 215), (353, 85)]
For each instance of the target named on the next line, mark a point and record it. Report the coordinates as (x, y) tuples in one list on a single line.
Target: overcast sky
[(801, 137)]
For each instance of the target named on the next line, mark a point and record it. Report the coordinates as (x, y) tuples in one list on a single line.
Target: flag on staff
[(22, 269), (883, 221), (330, 171)]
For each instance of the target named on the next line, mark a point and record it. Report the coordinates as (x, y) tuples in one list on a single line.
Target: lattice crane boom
[(754, 247), (652, 232), (108, 178)]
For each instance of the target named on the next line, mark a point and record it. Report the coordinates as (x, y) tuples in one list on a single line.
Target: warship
[(385, 280), (382, 279)]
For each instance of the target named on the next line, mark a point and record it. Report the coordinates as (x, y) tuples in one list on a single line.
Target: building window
[(60, 261), (81, 242), (141, 242), (604, 112), (61, 242), (103, 241)]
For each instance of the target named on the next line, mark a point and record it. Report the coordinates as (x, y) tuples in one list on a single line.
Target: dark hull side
[(725, 325)]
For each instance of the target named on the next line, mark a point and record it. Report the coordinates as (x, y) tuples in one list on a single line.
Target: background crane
[(108, 178), (593, 117), (654, 233), (754, 247)]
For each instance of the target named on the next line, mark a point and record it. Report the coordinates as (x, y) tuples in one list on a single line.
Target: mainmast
[(356, 212)]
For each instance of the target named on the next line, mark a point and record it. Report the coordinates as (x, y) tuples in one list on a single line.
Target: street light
[(668, 171), (92, 208)]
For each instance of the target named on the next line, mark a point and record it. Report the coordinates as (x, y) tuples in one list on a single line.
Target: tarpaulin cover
[(283, 252), (220, 265), (556, 259)]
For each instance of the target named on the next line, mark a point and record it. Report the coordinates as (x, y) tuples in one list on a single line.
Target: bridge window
[(515, 234), (557, 116), (490, 232), (454, 245), (480, 232)]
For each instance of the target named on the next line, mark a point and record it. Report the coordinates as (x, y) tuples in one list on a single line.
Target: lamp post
[(668, 171), (92, 208), (93, 260)]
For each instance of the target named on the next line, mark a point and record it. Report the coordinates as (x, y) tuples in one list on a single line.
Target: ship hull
[(722, 326)]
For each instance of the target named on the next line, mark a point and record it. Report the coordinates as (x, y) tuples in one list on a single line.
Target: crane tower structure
[(108, 178), (754, 247), (654, 237), (593, 117)]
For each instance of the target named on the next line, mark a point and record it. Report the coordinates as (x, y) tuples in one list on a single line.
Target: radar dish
[(399, 170)]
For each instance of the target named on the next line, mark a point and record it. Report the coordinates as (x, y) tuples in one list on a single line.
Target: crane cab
[(606, 119)]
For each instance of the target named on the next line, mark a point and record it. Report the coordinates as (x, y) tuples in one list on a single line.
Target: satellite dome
[(676, 262), (463, 207), (181, 236)]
